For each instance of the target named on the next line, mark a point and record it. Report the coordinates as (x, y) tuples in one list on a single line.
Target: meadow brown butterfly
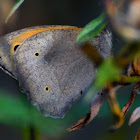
[(49, 65)]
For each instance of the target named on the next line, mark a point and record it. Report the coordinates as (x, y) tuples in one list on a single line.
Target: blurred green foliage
[(18, 112), (15, 7), (92, 29), (107, 73)]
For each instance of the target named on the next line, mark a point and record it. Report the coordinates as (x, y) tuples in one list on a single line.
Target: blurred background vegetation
[(17, 117)]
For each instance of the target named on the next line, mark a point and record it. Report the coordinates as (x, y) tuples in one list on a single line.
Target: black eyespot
[(81, 92), (47, 88), (36, 54), (16, 47)]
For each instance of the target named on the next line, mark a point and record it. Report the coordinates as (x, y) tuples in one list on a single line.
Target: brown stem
[(92, 53), (131, 99), (114, 106)]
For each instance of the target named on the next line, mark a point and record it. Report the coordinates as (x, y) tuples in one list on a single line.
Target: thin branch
[(131, 99), (92, 53), (127, 79), (114, 106)]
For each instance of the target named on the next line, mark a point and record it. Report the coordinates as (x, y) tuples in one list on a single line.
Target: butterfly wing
[(9, 44), (53, 71)]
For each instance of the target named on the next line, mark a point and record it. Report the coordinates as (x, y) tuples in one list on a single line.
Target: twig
[(131, 99)]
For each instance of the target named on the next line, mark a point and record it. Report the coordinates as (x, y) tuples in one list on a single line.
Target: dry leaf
[(135, 116), (95, 107)]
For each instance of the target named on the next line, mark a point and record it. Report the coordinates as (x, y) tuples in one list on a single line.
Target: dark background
[(61, 12)]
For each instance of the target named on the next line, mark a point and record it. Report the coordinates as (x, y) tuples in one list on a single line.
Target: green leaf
[(20, 113), (107, 73), (92, 29), (15, 7)]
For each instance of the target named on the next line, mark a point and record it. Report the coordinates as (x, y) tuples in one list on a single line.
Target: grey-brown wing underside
[(6, 58), (53, 71)]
